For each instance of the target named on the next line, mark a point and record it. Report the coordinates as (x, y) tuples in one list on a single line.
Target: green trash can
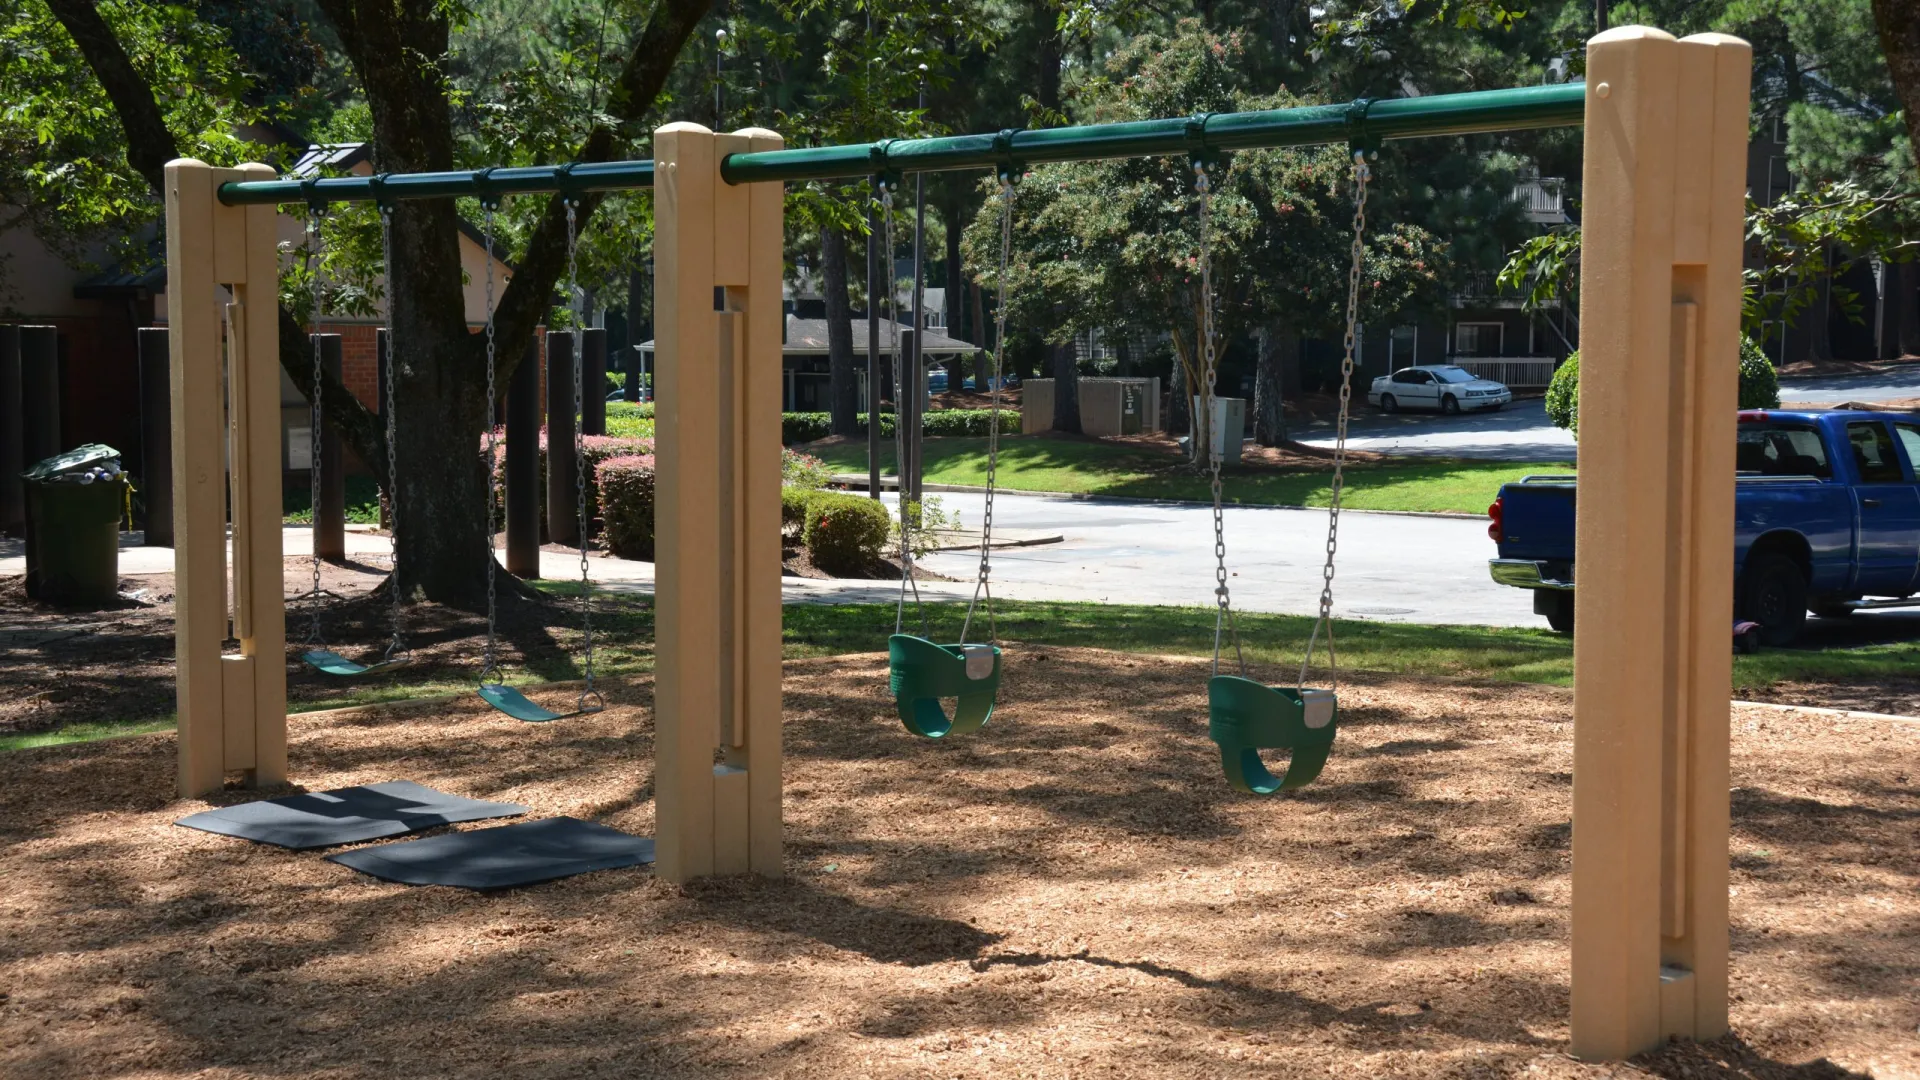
[(75, 502)]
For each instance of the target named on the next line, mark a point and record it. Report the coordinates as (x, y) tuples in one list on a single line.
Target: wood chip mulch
[(1071, 892)]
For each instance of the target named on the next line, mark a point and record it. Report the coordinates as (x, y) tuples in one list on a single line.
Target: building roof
[(808, 337)]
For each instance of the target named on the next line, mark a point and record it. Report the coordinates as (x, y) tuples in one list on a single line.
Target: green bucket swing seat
[(1245, 717), (921, 673), (328, 662)]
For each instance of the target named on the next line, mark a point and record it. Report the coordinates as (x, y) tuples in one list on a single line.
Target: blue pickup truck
[(1826, 519)]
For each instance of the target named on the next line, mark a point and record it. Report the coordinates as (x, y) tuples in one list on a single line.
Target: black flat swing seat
[(511, 701), (921, 673), (1245, 717), (328, 662)]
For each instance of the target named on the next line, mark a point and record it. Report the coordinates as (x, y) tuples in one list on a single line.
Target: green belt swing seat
[(921, 673), (1245, 717), (328, 662)]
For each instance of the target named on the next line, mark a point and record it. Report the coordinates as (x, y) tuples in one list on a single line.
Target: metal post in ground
[(873, 347), (593, 381), (562, 526), (330, 514), (156, 436), (522, 466)]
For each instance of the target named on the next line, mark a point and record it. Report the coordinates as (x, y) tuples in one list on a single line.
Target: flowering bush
[(627, 490)]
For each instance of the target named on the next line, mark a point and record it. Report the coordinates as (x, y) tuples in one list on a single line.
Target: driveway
[(1519, 432), (1397, 567), (1891, 385)]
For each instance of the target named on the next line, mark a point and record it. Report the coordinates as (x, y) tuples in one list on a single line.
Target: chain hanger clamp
[(1359, 137)]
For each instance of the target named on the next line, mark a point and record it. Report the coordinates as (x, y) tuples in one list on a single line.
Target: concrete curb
[(1847, 714), (1121, 500)]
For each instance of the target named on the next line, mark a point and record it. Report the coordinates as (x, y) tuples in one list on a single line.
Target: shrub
[(1759, 383), (627, 495), (844, 534), (802, 471), (1759, 386), (595, 450), (793, 509), (805, 427), (1563, 395)]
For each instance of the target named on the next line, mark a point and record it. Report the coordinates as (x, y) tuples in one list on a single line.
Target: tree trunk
[(955, 289), (1898, 22), (1903, 292), (1066, 389), (843, 381), (1818, 319), (1270, 417)]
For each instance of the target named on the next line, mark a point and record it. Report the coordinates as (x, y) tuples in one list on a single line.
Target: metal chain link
[(899, 412), (1223, 613), (982, 582), (580, 451), (1361, 174), (315, 413), (491, 666), (398, 646)]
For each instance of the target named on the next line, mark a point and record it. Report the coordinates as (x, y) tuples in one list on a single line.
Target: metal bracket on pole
[(1201, 154), (483, 188), (1010, 169), (1358, 137)]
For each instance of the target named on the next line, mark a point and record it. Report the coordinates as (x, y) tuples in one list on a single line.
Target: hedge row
[(805, 427), (844, 533)]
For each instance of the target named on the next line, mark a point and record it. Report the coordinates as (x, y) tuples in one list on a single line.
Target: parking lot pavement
[(1519, 432), (1892, 385)]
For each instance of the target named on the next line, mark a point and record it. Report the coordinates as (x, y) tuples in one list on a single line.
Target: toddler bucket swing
[(922, 672), (1244, 716), (493, 689), (317, 655)]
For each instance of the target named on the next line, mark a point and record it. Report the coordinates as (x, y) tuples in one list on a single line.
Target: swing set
[(1665, 158)]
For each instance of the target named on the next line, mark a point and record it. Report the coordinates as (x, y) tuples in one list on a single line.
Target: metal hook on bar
[(1010, 168), (483, 188), (310, 191), (1198, 151), (1359, 138)]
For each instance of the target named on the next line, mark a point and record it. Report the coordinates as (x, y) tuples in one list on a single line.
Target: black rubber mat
[(346, 815), (502, 857)]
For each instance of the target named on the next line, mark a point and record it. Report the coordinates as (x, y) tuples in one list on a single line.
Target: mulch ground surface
[(1071, 892)]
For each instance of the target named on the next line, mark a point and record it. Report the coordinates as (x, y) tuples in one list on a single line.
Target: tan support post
[(717, 668), (1664, 185), (232, 709)]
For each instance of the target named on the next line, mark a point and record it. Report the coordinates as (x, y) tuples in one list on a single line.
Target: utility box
[(75, 502), (1229, 425)]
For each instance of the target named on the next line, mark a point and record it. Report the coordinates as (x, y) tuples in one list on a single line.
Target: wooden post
[(1664, 180), (522, 467), (156, 437), (717, 675), (330, 513), (40, 392), (13, 496), (593, 381), (563, 521), (232, 708)]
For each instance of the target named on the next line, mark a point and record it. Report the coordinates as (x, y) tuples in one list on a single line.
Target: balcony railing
[(1540, 198)]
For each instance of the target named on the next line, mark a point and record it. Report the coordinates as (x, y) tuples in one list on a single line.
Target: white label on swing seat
[(1319, 708), (979, 660)]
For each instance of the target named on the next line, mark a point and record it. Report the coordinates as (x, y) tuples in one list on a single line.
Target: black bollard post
[(630, 368), (523, 465), (593, 381), (562, 522), (156, 436), (906, 414), (13, 493), (39, 393), (380, 375), (330, 515)]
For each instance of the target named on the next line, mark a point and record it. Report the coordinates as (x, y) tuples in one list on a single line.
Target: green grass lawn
[(624, 646), (1073, 466)]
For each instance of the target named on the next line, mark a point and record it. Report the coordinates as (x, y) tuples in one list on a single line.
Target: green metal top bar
[(1363, 122), (484, 183)]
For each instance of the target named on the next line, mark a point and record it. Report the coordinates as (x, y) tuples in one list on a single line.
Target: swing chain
[(315, 415), (398, 646), (899, 412), (491, 665), (1361, 174), (580, 450), (982, 582), (1223, 616)]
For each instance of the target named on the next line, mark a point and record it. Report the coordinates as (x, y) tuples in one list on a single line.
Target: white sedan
[(1444, 387)]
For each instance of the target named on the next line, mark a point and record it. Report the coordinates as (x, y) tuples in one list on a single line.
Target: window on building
[(1403, 346), (1773, 340), (1779, 179), (1478, 339)]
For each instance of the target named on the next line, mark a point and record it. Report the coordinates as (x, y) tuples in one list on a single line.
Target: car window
[(1423, 377), (1454, 375), (1873, 453), (1404, 375), (1910, 442), (1779, 450)]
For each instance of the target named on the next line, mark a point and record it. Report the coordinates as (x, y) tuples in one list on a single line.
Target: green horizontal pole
[(1364, 122), (1360, 122), (481, 183)]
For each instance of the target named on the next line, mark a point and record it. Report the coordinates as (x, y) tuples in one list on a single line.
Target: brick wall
[(359, 360)]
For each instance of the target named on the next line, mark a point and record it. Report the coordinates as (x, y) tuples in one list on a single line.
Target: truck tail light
[(1496, 515)]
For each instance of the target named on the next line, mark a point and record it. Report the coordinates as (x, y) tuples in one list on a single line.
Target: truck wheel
[(1773, 593), (1387, 404), (1449, 404), (1557, 606)]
